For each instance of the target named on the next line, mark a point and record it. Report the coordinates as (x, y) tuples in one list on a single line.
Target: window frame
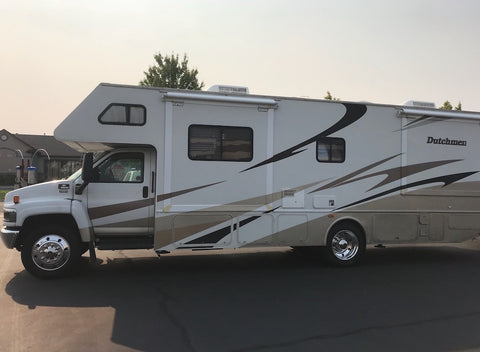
[(330, 141), (128, 108), (221, 129)]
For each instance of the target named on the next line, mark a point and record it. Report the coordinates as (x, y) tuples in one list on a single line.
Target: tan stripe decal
[(163, 234), (108, 210), (256, 202), (113, 209), (397, 173)]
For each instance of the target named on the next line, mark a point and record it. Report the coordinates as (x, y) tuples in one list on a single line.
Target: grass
[(2, 195)]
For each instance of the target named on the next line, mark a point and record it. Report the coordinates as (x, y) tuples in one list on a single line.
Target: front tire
[(50, 251), (345, 244)]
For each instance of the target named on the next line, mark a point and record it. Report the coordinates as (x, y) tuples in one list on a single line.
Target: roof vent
[(419, 104), (228, 89)]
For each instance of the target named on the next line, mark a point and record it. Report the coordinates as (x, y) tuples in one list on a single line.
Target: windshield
[(76, 174)]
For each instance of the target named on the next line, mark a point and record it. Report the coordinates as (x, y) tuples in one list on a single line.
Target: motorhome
[(168, 169)]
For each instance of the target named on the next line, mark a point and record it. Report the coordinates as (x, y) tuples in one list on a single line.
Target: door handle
[(145, 192), (153, 182)]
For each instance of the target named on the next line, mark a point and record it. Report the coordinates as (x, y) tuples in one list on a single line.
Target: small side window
[(331, 150), (123, 114)]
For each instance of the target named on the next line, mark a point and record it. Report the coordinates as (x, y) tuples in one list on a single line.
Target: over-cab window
[(330, 150), (123, 114), (120, 168), (220, 143)]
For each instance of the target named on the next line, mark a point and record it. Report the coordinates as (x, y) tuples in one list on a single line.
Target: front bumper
[(10, 236)]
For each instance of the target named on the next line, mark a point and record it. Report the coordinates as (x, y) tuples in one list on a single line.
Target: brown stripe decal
[(396, 174), (188, 190), (392, 175), (344, 179), (112, 209), (446, 180)]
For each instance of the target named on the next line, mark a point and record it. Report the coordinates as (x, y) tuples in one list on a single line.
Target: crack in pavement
[(358, 331), (163, 304)]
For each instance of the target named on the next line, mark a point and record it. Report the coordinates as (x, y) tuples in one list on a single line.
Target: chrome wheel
[(345, 245), (50, 252)]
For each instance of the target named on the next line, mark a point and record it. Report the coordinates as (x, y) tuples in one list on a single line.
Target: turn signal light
[(16, 199)]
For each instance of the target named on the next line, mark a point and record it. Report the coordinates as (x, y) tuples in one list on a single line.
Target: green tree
[(448, 106), (169, 72), (330, 97)]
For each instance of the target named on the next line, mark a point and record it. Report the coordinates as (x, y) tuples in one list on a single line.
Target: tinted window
[(123, 114), (331, 150), (220, 143)]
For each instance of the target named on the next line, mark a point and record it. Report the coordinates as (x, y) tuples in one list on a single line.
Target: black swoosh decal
[(216, 236), (446, 180), (353, 113)]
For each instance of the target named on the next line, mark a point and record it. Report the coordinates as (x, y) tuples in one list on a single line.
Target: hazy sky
[(53, 53)]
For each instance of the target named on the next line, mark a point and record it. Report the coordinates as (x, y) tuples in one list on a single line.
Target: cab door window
[(121, 168)]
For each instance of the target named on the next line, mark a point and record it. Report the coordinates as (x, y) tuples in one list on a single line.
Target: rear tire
[(345, 244), (50, 251)]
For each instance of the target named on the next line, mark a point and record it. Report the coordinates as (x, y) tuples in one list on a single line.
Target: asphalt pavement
[(403, 298)]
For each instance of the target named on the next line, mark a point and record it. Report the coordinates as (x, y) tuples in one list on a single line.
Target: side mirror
[(87, 173), (87, 168)]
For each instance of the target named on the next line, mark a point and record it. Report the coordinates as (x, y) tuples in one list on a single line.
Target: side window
[(121, 168), (331, 150), (220, 143), (123, 114)]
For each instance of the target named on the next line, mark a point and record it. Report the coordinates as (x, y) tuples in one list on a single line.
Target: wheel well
[(37, 221), (352, 222)]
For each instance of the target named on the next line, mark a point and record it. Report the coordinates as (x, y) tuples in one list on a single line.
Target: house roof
[(50, 144), (53, 147)]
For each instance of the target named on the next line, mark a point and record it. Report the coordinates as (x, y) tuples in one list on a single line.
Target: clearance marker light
[(16, 199)]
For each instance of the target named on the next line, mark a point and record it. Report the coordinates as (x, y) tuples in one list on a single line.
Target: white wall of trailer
[(378, 144)]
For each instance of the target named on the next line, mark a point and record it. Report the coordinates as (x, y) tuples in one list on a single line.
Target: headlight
[(9, 215)]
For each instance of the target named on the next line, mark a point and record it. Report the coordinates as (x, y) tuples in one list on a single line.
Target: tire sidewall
[(34, 235)]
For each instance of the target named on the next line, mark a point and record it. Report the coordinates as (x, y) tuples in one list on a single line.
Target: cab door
[(121, 197)]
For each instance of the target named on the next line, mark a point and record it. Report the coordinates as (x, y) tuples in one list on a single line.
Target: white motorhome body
[(211, 170)]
